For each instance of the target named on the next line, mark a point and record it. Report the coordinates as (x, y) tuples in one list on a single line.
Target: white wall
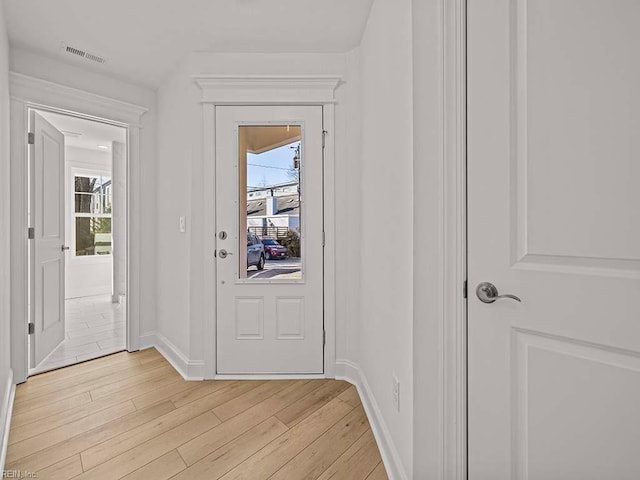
[(5, 337), (38, 66), (386, 321), (182, 257), (386, 280), (92, 275)]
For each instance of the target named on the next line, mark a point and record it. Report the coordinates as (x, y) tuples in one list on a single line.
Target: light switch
[(183, 224)]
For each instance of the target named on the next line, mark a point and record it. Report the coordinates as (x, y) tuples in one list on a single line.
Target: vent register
[(83, 54)]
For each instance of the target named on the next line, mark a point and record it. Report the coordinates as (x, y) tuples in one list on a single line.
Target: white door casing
[(48, 256), (554, 381), (269, 326), (29, 92)]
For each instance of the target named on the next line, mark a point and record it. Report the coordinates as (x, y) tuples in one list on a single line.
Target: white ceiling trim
[(265, 90), (41, 92)]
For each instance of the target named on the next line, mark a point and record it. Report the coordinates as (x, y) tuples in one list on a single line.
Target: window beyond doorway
[(92, 214)]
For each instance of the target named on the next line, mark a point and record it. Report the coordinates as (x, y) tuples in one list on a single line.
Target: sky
[(270, 167)]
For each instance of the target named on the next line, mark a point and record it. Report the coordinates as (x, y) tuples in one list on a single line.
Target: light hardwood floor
[(130, 415)]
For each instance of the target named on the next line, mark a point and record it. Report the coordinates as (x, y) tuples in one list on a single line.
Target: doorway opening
[(89, 320)]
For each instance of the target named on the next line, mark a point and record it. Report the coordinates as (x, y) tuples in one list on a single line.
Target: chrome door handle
[(223, 253), (488, 293), (64, 247)]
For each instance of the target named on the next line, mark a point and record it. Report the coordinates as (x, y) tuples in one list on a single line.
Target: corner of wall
[(352, 373), (190, 370), (175, 145)]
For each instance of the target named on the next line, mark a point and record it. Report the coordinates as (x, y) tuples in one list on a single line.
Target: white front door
[(47, 253), (554, 218), (269, 229)]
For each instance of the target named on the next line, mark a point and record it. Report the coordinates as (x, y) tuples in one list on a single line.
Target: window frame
[(87, 172)]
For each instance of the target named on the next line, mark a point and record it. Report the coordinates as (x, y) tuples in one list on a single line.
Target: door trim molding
[(453, 241), (29, 92), (268, 90)]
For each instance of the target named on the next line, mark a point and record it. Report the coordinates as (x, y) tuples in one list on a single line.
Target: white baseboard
[(189, 369), (352, 373), (261, 376), (6, 408)]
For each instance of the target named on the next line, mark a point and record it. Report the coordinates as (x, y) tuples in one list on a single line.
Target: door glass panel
[(269, 218)]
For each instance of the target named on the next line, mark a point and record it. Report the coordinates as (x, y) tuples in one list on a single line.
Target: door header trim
[(71, 101), (268, 90)]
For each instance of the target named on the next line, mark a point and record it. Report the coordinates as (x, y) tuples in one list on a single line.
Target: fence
[(272, 232)]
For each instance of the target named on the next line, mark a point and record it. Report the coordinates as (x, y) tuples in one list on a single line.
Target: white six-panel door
[(554, 218), (266, 324), (47, 254)]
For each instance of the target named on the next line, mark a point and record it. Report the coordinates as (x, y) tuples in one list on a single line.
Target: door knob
[(223, 253), (488, 293)]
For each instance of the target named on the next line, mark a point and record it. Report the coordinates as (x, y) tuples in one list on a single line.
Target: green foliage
[(292, 242), (102, 225)]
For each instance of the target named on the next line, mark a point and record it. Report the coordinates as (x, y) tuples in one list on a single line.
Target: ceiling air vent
[(82, 53)]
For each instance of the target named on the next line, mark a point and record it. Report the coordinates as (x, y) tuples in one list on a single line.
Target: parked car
[(255, 251), (272, 249)]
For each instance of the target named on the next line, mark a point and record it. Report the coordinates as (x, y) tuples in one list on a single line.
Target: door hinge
[(324, 338), (31, 233), (31, 138), (464, 289), (324, 134), (324, 238), (32, 328)]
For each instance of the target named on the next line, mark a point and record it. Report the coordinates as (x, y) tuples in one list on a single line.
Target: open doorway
[(93, 199)]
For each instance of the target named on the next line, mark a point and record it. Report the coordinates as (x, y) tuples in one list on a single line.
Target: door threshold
[(71, 362), (271, 376)]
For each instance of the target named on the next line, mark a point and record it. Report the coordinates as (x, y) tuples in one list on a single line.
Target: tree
[(292, 241)]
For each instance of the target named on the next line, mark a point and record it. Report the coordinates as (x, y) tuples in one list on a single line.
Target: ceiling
[(87, 134), (261, 138), (143, 40)]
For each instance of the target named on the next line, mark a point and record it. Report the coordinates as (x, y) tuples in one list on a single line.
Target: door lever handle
[(223, 253), (64, 247), (488, 293)]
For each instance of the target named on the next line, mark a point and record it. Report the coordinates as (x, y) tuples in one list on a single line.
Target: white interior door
[(269, 171), (47, 254), (553, 102)]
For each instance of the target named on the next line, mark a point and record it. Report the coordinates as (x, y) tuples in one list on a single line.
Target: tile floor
[(94, 327)]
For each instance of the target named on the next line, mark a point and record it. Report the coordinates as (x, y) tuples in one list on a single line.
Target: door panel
[(47, 266), (553, 171), (269, 321)]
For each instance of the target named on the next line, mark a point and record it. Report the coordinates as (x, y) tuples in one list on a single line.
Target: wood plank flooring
[(130, 415)]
